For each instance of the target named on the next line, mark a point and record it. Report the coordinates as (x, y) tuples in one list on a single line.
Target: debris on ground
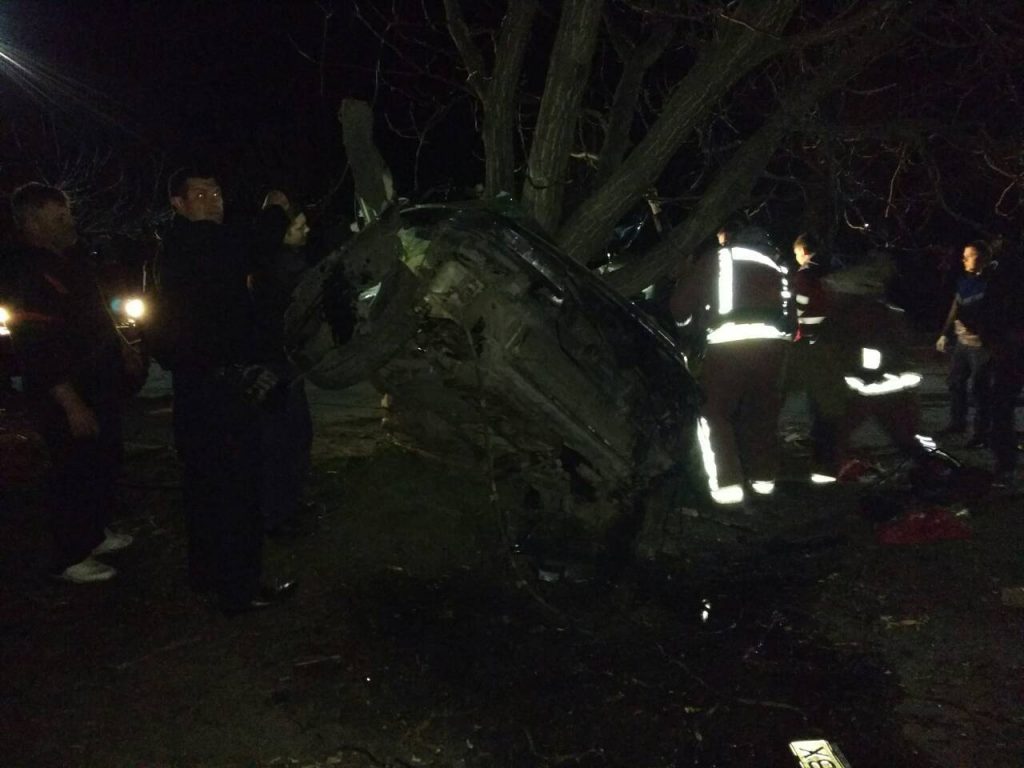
[(1013, 597), (923, 525)]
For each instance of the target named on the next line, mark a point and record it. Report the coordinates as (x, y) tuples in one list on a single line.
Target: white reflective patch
[(891, 383), (801, 299), (763, 487), (746, 254), (926, 442), (811, 320), (871, 359), (744, 331), (820, 479), (648, 292), (708, 455), (725, 297), (370, 293), (731, 494)]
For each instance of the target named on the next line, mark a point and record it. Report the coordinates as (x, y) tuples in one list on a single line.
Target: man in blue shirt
[(970, 363)]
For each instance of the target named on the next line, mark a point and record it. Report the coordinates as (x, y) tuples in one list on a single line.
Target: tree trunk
[(374, 187), (500, 105), (568, 75)]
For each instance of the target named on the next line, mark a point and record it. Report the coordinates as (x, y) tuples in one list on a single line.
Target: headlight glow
[(5, 316), (135, 308)]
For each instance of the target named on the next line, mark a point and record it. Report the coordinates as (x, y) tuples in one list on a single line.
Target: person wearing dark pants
[(970, 366), (203, 329), (1003, 330), (77, 370), (217, 435), (81, 487), (739, 297), (287, 425)]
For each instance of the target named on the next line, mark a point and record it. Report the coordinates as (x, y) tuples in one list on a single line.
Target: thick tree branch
[(568, 74), (737, 51), (636, 61), (500, 107), (734, 181)]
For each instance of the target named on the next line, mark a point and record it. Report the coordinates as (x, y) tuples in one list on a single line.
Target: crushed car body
[(494, 348)]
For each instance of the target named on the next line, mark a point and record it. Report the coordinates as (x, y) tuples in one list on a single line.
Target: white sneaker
[(114, 542), (87, 571)]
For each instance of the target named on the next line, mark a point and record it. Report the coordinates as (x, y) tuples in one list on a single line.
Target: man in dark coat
[(206, 335), (75, 366)]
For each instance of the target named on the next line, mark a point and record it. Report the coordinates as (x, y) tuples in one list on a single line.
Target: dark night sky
[(219, 79)]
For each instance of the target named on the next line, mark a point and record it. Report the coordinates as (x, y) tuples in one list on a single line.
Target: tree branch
[(734, 181), (500, 107), (736, 52), (636, 61), (568, 74), (476, 77)]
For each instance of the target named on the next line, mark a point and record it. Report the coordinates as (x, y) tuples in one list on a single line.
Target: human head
[(195, 194), (976, 256), (42, 215), (804, 248), (298, 230)]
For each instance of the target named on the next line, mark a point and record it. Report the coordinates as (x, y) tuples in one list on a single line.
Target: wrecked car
[(494, 348)]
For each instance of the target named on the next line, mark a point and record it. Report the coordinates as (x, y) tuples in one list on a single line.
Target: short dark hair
[(808, 241), (33, 197), (982, 248), (177, 184)]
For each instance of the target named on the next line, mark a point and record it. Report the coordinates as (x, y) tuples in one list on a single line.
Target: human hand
[(258, 380), (81, 420), (940, 344)]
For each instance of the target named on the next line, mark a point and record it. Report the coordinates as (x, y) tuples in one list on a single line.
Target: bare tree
[(845, 115)]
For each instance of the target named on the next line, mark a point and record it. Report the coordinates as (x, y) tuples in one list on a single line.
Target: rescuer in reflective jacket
[(860, 366), (740, 297)]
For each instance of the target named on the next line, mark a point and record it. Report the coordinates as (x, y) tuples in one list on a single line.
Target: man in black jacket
[(207, 337), (75, 367)]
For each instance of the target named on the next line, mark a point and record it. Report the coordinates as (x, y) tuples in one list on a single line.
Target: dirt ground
[(413, 641)]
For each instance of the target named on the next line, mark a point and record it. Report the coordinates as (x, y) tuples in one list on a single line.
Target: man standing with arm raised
[(207, 337)]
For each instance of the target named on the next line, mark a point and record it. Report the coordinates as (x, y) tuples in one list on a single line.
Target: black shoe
[(977, 441), (267, 597)]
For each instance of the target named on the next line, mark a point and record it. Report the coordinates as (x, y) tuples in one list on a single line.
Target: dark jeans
[(970, 367), (217, 435), (81, 486), (1007, 381), (286, 440)]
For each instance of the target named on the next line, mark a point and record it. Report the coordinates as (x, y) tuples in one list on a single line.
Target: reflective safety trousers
[(743, 384)]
